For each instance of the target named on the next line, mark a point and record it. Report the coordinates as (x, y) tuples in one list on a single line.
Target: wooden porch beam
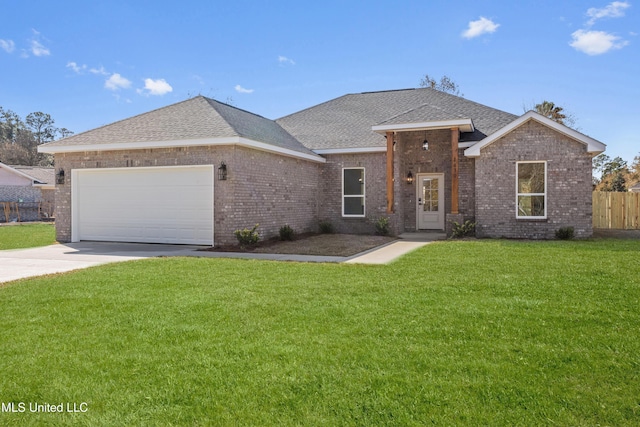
[(389, 172), (454, 170)]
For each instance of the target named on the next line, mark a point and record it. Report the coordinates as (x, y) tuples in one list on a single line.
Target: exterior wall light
[(409, 178), (425, 143), (60, 177), (222, 172)]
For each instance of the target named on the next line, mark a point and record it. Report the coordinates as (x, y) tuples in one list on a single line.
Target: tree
[(615, 175), (19, 139), (554, 112), (10, 126), (444, 85)]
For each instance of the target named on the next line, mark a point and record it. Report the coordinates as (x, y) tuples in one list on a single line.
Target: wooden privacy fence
[(619, 211)]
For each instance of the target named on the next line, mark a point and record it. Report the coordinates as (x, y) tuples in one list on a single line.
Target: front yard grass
[(456, 333), (21, 236)]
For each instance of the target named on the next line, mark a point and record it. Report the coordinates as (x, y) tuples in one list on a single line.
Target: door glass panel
[(430, 194)]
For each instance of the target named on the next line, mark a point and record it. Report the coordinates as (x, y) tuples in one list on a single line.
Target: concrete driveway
[(21, 263)]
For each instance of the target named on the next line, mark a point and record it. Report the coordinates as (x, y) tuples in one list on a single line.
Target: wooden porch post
[(389, 172), (454, 170)]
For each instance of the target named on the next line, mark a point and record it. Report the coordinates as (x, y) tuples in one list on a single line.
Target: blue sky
[(89, 63)]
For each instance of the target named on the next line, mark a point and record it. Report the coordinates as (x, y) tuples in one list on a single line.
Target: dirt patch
[(616, 234), (314, 244)]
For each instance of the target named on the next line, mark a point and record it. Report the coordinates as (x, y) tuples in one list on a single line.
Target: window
[(353, 192), (531, 189)]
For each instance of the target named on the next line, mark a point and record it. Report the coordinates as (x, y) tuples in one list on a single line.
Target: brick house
[(195, 171), (27, 193)]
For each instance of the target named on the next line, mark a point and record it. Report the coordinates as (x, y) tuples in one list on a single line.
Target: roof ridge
[(130, 118), (210, 100), (424, 104), (314, 106)]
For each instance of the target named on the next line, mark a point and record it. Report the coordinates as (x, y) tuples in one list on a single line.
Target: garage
[(146, 205)]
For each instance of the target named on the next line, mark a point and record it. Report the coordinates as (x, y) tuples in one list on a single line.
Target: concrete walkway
[(22, 263)]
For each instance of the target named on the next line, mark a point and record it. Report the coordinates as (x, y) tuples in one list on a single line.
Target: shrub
[(465, 229), (286, 232), (326, 227), (247, 237), (564, 233), (382, 226)]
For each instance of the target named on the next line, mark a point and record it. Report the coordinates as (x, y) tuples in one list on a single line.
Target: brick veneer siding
[(374, 165), (412, 158), (262, 187), (568, 184)]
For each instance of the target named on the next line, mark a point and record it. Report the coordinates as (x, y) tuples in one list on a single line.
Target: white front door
[(430, 202)]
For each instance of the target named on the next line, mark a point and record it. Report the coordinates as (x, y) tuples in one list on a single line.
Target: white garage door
[(150, 205)]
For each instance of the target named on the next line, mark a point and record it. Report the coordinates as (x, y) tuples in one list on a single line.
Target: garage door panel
[(155, 205)]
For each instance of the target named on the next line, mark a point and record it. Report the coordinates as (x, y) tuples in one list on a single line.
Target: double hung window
[(531, 190), (353, 192)]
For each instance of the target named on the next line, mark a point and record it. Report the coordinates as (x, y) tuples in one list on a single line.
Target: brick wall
[(568, 184), (261, 187), (375, 165), (270, 190)]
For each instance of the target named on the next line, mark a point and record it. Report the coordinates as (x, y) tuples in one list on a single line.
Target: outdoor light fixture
[(409, 178), (222, 172), (425, 143), (60, 177)]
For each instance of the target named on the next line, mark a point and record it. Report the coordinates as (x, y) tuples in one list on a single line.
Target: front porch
[(429, 182)]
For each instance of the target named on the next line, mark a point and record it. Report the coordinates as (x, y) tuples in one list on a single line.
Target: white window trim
[(363, 195), (518, 216)]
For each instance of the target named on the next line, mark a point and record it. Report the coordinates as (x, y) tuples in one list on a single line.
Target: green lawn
[(457, 333), (21, 236)]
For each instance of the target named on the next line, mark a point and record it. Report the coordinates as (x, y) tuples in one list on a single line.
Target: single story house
[(195, 171), (635, 188), (30, 187)]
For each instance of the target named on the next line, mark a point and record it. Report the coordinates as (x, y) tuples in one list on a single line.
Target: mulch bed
[(312, 244)]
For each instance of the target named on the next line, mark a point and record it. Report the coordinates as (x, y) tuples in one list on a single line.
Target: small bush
[(326, 227), (564, 233), (247, 237), (458, 230), (286, 232), (382, 226)]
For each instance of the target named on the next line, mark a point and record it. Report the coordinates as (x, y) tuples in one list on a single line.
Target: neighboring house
[(635, 188), (27, 185), (195, 171)]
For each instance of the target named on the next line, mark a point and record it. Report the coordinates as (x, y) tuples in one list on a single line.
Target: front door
[(430, 200)]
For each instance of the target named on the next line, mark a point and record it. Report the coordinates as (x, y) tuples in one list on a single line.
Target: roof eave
[(593, 146), (235, 140), (465, 125), (22, 174)]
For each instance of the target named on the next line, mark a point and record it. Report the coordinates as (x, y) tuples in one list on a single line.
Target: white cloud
[(79, 69), (479, 27), (7, 45), (612, 10), (283, 60), (100, 71), (240, 89), (116, 81), (596, 42), (38, 49), (155, 87)]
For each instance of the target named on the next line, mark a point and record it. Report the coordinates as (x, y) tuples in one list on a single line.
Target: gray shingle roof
[(346, 122), (40, 174), (195, 118)]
